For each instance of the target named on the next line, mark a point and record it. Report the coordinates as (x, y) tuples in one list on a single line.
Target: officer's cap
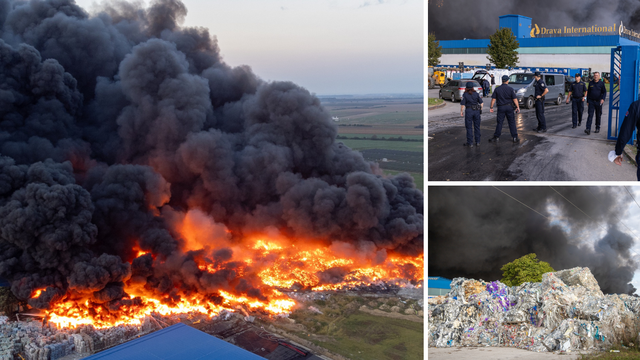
[(578, 75), (469, 85), (537, 73), (505, 77)]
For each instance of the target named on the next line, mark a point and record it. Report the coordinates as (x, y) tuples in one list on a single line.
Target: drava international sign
[(625, 31), (573, 30)]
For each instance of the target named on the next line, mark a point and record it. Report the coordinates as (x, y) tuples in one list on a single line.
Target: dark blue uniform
[(630, 123), (504, 95), (540, 87), (471, 116), (578, 91), (595, 93)]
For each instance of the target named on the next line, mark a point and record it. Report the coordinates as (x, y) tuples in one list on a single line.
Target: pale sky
[(629, 224), (328, 47)]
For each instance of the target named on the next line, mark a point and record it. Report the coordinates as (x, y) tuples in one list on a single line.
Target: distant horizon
[(361, 46)]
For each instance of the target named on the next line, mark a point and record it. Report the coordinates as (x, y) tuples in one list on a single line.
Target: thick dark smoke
[(473, 231), (111, 124), (459, 19)]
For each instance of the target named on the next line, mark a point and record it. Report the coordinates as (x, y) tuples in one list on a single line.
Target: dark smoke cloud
[(473, 231), (113, 124), (459, 19)]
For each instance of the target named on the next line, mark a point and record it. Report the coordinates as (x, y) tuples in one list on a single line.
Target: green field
[(368, 136), (383, 144), (365, 337), (404, 117), (343, 329), (418, 178)]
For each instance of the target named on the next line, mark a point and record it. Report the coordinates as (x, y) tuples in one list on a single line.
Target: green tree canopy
[(525, 269), (502, 48), (435, 50)]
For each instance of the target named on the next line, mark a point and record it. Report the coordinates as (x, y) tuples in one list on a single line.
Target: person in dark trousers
[(486, 87), (506, 98), (631, 122), (472, 101), (596, 94), (540, 91), (577, 95)]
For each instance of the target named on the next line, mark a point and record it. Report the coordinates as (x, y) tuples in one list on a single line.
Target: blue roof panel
[(178, 341), (589, 40), (437, 282)]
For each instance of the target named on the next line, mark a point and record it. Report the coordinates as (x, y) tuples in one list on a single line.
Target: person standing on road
[(596, 94), (506, 97), (577, 94), (472, 101), (540, 91), (631, 121), (485, 87)]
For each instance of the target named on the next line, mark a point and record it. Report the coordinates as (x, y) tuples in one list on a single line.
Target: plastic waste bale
[(580, 276)]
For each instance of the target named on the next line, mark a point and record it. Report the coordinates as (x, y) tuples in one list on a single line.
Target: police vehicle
[(523, 84)]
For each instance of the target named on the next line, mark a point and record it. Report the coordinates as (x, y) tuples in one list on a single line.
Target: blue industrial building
[(176, 342), (438, 286), (562, 50)]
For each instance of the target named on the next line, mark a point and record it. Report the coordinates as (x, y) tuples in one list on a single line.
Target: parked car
[(523, 85), (568, 80), (455, 88)]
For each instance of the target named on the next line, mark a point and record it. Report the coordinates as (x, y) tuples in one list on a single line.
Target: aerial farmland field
[(385, 129)]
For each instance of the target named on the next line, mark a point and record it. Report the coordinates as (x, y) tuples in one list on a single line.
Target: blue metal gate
[(625, 60), (614, 93)]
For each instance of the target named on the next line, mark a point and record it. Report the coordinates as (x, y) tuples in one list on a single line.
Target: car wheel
[(528, 103), (559, 99), (453, 97)]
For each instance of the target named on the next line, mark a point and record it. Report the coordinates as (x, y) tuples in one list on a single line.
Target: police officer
[(472, 101), (631, 121), (505, 96), (596, 93), (577, 94), (540, 91)]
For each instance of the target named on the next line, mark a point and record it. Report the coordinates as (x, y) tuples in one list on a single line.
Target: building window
[(465, 51)]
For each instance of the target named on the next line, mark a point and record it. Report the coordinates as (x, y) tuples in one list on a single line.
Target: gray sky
[(329, 47)]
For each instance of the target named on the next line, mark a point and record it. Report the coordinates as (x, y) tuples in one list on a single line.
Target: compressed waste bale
[(580, 276), (547, 316)]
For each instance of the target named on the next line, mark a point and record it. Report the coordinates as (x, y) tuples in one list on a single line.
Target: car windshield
[(520, 78)]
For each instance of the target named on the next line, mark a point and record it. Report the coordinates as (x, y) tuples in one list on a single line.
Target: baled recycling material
[(567, 311)]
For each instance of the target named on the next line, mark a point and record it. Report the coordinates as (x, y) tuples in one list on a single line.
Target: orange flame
[(276, 263)]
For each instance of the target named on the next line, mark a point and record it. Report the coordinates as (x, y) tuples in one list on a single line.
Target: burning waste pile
[(140, 174), (567, 311), (34, 341)]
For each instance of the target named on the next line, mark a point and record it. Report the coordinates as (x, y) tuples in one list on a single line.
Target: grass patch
[(418, 178), (624, 354), (360, 336), (344, 330), (357, 144), (434, 101)]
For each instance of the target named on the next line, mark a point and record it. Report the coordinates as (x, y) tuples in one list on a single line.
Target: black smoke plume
[(113, 123), (460, 19), (474, 231)]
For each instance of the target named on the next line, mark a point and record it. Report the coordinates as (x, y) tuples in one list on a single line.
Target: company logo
[(536, 29)]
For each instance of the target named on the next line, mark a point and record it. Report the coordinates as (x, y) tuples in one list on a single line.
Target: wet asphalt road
[(560, 154)]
